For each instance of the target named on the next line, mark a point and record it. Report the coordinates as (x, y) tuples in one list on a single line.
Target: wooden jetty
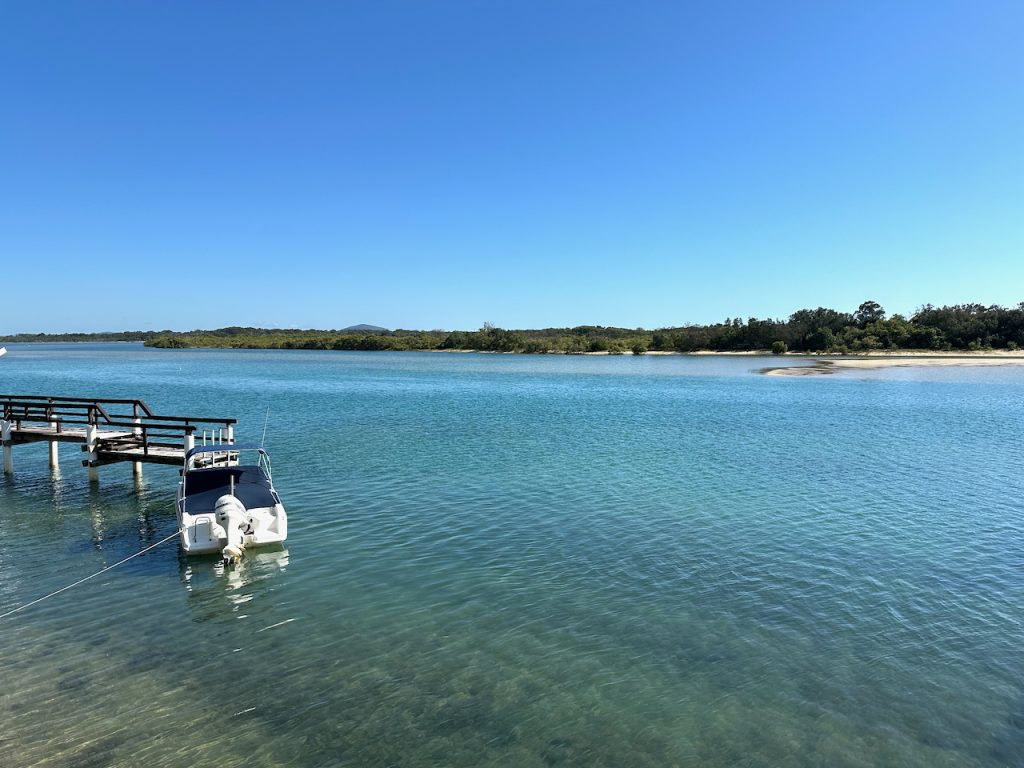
[(109, 431)]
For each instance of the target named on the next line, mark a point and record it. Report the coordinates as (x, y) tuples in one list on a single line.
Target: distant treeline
[(968, 327), (972, 327), (25, 338)]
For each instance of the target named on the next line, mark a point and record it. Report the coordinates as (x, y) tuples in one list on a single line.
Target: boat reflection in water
[(213, 586)]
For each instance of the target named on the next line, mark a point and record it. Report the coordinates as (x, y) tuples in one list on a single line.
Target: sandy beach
[(825, 367)]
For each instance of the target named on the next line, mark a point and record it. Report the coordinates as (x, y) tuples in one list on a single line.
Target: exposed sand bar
[(836, 365)]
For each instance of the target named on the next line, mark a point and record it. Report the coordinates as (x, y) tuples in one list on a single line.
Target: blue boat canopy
[(222, 447)]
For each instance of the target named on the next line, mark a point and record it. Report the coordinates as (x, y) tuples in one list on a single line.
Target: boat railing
[(210, 457)]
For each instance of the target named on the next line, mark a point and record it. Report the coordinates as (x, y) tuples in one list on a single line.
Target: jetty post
[(137, 432), (91, 435), (5, 437), (54, 454)]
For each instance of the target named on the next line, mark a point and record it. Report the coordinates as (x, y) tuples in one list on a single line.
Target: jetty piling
[(107, 430), (54, 451), (5, 435)]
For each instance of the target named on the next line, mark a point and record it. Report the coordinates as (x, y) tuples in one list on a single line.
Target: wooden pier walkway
[(109, 431)]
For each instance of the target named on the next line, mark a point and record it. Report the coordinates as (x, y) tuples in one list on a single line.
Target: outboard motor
[(232, 516)]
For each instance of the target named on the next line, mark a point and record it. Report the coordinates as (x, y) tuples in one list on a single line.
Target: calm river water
[(530, 561)]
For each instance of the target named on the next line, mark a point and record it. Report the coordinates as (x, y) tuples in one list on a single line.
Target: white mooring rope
[(93, 576)]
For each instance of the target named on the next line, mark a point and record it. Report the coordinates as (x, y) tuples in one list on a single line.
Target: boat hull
[(201, 534)]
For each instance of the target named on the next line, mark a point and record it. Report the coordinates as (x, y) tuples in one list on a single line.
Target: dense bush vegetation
[(960, 327), (26, 338)]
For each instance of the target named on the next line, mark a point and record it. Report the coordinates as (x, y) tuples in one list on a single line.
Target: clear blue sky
[(433, 164)]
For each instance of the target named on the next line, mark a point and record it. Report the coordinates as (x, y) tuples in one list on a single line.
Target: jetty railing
[(110, 430)]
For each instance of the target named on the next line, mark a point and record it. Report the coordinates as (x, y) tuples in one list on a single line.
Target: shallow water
[(530, 561)]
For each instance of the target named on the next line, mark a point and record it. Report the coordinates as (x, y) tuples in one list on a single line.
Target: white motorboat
[(3, 351), (225, 505)]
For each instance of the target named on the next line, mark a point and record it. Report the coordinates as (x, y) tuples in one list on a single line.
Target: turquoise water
[(530, 561)]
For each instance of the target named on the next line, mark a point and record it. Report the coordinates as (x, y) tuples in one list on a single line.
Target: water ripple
[(530, 561)]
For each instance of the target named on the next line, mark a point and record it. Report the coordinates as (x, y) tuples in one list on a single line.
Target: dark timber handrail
[(44, 409), (78, 400)]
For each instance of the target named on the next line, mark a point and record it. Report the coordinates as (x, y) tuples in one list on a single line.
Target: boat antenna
[(263, 440)]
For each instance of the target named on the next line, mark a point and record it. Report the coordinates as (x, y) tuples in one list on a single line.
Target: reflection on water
[(212, 585), (532, 562)]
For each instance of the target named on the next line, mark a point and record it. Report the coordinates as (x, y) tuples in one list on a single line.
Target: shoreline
[(814, 363), (873, 358), (830, 366)]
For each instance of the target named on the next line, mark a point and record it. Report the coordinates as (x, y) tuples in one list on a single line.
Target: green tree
[(821, 340), (867, 313), (807, 328)]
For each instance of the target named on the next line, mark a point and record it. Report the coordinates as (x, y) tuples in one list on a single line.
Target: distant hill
[(363, 328)]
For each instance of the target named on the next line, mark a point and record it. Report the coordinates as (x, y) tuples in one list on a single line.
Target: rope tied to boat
[(91, 576)]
